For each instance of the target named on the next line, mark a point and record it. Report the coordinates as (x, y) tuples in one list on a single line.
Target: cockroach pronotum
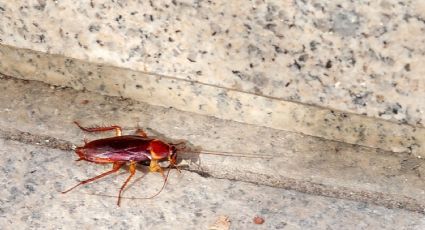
[(132, 149)]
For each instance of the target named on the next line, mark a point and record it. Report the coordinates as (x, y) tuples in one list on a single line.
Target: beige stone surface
[(330, 89), (361, 57)]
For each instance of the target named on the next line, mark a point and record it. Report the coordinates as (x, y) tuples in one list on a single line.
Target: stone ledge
[(300, 162), (211, 100), (360, 58)]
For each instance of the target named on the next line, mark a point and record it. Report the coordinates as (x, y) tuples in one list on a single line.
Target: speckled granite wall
[(238, 60)]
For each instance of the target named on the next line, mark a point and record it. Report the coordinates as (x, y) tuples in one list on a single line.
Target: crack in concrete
[(378, 198), (38, 140)]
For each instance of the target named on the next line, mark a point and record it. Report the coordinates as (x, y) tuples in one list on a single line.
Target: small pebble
[(258, 220)]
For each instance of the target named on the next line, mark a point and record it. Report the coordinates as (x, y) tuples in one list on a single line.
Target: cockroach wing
[(117, 149)]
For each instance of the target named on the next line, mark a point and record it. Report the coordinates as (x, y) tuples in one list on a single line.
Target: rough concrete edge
[(289, 116), (386, 200)]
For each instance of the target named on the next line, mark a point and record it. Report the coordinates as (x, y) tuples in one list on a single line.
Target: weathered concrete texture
[(362, 57), (32, 178), (224, 103), (299, 162)]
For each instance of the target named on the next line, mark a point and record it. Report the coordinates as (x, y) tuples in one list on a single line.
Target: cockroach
[(132, 149), (123, 149)]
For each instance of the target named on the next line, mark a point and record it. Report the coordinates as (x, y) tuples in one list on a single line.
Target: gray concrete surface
[(32, 178), (37, 133)]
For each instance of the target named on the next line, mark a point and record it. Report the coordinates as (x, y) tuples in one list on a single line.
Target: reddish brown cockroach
[(122, 149)]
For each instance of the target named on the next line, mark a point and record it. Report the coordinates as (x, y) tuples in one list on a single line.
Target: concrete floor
[(36, 136), (33, 177)]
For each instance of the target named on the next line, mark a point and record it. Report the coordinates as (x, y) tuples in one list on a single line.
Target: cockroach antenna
[(234, 154)]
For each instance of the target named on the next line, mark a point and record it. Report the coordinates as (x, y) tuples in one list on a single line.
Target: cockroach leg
[(118, 130), (155, 167), (116, 167), (173, 163), (132, 172), (177, 168), (141, 133)]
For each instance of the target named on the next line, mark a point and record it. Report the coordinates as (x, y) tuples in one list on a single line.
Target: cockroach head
[(177, 148), (186, 150), (173, 149), (173, 154)]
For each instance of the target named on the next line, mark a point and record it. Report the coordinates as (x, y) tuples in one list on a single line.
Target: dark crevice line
[(386, 200), (37, 140)]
